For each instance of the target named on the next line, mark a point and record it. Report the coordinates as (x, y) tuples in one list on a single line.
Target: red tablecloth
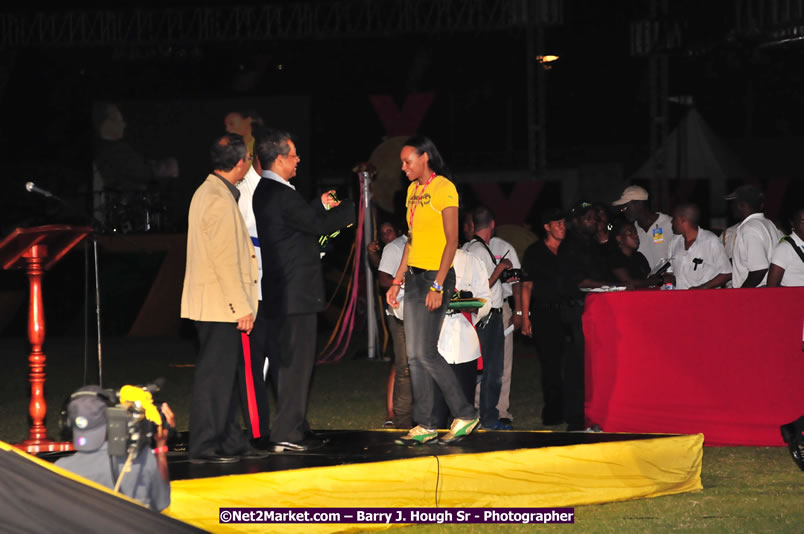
[(724, 362)]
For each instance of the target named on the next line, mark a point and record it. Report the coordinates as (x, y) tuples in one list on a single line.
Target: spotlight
[(546, 59)]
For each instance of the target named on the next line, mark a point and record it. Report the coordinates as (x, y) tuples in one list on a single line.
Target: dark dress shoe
[(311, 434), (253, 453), (262, 443), (553, 421), (307, 444), (214, 459)]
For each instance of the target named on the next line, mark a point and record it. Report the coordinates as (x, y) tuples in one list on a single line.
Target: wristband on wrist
[(437, 287), (161, 450), (397, 283), (434, 290), (518, 312)]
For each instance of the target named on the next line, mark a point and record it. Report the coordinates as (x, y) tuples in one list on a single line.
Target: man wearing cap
[(583, 267), (697, 256), (541, 304), (147, 480), (654, 228), (755, 240)]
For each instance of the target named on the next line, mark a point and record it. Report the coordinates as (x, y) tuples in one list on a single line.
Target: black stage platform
[(365, 446)]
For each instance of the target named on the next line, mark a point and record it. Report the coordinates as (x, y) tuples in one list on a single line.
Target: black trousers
[(291, 372), (214, 411), (574, 363), (263, 342), (403, 390), (548, 333)]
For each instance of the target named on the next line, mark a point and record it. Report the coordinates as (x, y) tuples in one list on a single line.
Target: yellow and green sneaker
[(418, 435), (459, 429)]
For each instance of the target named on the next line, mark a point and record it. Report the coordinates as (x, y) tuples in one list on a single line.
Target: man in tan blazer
[(220, 295)]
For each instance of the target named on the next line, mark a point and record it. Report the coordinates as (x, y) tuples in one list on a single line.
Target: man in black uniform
[(541, 296), (584, 267), (555, 270)]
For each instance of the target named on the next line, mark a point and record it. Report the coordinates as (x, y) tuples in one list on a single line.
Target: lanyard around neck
[(416, 201)]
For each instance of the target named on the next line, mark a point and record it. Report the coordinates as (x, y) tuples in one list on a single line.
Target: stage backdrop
[(727, 363), (169, 140)]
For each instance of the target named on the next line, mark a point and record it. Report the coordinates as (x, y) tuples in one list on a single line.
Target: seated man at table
[(755, 240), (697, 255), (787, 262), (628, 265)]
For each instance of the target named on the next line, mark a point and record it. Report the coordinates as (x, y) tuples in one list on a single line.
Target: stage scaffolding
[(298, 20)]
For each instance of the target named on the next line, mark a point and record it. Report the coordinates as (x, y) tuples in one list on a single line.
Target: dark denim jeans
[(428, 368), (492, 346), (403, 392)]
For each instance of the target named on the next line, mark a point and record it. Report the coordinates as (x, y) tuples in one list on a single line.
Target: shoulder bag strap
[(793, 244)]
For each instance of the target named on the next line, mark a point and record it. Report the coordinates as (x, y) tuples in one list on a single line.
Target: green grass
[(746, 489)]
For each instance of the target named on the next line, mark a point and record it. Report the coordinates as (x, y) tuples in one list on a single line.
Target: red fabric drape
[(727, 363)]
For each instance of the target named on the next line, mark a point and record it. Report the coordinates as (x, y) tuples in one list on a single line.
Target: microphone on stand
[(32, 188)]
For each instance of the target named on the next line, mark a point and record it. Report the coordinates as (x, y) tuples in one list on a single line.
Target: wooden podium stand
[(37, 249)]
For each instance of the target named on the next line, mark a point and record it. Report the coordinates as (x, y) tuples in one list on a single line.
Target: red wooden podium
[(37, 249)]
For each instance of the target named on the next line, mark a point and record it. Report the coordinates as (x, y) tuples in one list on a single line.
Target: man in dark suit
[(292, 283)]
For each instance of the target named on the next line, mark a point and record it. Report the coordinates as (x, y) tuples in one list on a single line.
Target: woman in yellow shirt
[(427, 274)]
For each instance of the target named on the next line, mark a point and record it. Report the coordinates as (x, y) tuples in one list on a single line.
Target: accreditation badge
[(658, 236)]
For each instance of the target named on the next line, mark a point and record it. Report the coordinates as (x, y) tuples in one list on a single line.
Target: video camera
[(510, 273), (133, 421), (132, 416)]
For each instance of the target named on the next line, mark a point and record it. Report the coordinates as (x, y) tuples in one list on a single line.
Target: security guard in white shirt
[(787, 262), (697, 256)]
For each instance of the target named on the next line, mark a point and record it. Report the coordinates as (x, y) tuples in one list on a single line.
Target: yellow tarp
[(545, 477)]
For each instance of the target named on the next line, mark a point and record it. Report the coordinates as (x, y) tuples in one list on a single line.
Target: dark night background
[(744, 82), (596, 94)]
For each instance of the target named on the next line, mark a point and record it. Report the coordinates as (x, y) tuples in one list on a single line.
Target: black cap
[(747, 193), (551, 215), (87, 412), (581, 209)]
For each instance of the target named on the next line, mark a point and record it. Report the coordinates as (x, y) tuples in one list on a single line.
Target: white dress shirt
[(502, 248), (705, 259), (785, 257), (246, 187), (458, 342), (756, 238), (481, 252), (389, 263), (655, 243), (392, 255)]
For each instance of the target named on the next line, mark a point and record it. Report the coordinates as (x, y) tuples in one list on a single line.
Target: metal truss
[(771, 22), (300, 20)]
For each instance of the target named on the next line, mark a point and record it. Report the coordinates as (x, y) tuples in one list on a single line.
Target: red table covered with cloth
[(724, 362)]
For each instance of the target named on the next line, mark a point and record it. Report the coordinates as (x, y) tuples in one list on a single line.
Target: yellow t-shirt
[(427, 232)]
